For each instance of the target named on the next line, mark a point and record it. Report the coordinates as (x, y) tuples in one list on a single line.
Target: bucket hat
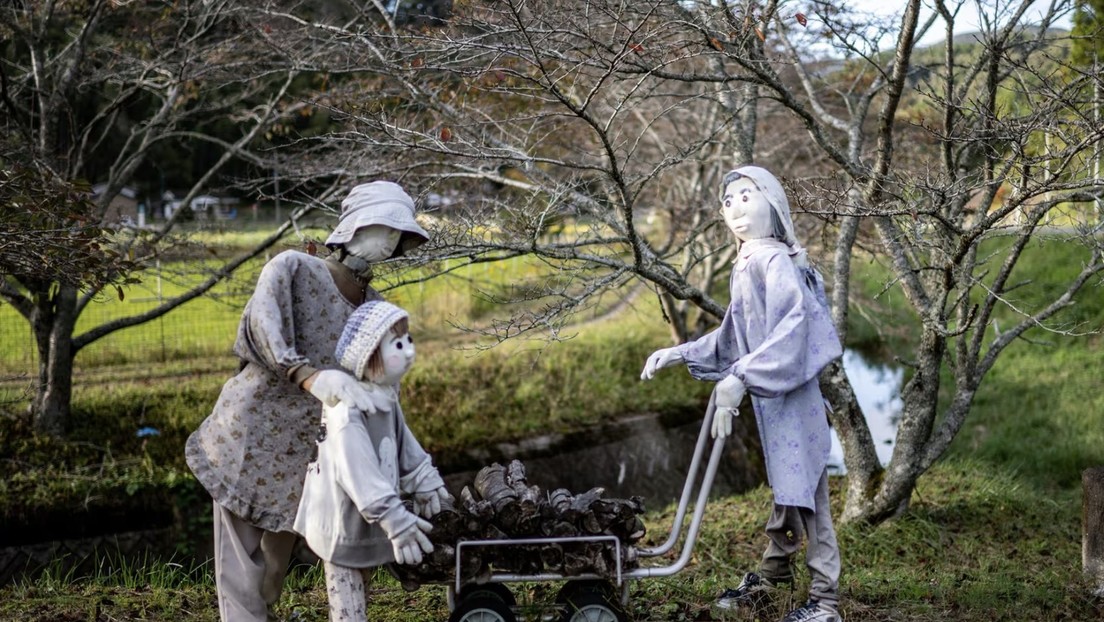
[(379, 203)]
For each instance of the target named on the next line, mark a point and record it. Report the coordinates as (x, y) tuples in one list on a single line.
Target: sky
[(968, 15)]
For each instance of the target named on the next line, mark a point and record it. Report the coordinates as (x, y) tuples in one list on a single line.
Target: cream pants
[(250, 564)]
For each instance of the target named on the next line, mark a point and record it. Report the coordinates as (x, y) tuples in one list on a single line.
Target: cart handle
[(699, 513), (687, 488)]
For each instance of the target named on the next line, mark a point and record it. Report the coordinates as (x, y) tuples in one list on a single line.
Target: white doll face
[(397, 355), (374, 242), (746, 211)]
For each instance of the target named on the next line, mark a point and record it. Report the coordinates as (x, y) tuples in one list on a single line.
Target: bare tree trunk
[(55, 318), (861, 459), (920, 396), (1092, 528), (1096, 156)]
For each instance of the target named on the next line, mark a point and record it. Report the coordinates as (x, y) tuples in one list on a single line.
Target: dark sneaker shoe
[(754, 591), (814, 611)]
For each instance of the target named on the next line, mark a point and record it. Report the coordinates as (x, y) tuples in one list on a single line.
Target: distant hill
[(969, 38)]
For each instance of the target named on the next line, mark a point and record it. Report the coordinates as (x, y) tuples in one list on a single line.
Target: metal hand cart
[(585, 597)]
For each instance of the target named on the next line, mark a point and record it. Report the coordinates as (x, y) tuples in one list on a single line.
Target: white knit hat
[(363, 332), (379, 203)]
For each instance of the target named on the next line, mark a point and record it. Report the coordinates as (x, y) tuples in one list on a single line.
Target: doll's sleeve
[(711, 356), (416, 470), (266, 335), (357, 470)]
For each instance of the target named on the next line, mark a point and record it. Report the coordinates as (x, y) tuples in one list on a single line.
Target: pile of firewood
[(500, 505)]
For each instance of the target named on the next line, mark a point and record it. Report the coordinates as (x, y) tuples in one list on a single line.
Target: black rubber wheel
[(482, 608), (488, 590), (590, 601)]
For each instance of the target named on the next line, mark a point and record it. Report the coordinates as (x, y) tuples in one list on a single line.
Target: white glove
[(659, 359), (410, 543), (428, 503), (331, 386), (729, 393)]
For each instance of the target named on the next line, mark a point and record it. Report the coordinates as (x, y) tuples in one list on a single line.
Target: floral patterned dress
[(776, 336), (251, 452)]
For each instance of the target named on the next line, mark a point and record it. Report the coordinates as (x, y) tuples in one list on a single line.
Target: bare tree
[(959, 163), (89, 91), (619, 118)]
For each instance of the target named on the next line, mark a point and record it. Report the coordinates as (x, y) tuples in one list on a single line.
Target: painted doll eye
[(398, 345), (745, 199)]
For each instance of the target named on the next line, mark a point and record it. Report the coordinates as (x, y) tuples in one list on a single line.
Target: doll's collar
[(751, 247)]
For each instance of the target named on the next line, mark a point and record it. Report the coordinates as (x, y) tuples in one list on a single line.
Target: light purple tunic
[(776, 336)]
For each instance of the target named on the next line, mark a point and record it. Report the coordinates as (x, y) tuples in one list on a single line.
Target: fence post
[(1092, 528)]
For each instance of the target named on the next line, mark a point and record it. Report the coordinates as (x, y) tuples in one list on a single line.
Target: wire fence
[(200, 334), (197, 334)]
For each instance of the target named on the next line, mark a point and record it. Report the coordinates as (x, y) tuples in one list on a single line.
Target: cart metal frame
[(622, 577)]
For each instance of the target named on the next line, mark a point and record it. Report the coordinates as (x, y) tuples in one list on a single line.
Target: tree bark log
[(501, 505), (1092, 528)]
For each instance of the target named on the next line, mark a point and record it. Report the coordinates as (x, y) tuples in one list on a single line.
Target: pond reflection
[(878, 389)]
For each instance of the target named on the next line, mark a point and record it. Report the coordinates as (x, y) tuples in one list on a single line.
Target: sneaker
[(754, 591), (814, 611)]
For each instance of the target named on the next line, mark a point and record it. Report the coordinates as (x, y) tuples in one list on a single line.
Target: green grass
[(977, 545)]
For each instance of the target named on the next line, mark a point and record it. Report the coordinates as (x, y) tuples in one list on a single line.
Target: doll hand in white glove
[(410, 543), (331, 386), (428, 503), (659, 359), (729, 394)]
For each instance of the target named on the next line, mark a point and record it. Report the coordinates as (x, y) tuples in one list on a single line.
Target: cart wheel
[(488, 590), (482, 608), (590, 601)]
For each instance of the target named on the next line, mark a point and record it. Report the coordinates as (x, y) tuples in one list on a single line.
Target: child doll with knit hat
[(350, 512)]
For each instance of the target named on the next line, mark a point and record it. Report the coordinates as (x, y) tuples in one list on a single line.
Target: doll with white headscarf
[(775, 338)]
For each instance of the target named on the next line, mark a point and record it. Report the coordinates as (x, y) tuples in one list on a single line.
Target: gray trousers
[(784, 529), (250, 564)]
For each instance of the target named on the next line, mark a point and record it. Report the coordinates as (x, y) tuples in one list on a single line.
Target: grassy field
[(993, 532), (978, 545)]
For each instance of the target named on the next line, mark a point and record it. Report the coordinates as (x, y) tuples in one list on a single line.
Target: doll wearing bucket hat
[(251, 452), (775, 338), (350, 513)]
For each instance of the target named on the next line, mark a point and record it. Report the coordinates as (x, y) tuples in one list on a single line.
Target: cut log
[(502, 505)]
